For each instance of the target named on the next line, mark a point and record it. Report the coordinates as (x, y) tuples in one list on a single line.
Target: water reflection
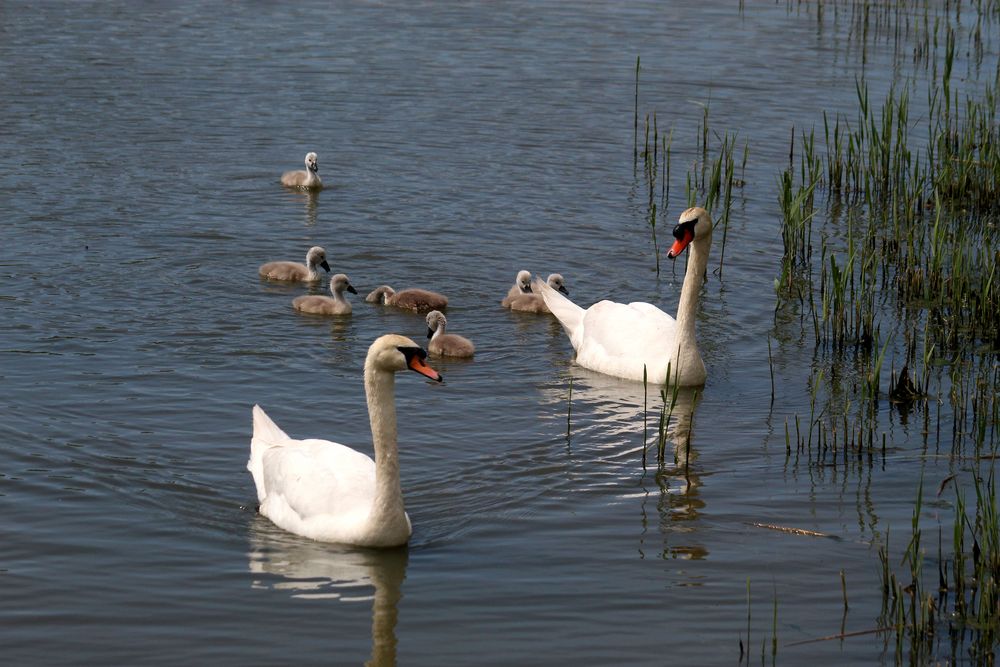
[(316, 570), (621, 418), (309, 199)]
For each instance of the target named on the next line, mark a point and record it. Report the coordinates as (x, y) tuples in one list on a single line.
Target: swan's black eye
[(683, 227), (410, 352)]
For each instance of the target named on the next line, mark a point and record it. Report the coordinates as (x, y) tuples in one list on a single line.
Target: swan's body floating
[(443, 344), (327, 491), (620, 340), (295, 272), (521, 297), (325, 305), (415, 299), (306, 180)]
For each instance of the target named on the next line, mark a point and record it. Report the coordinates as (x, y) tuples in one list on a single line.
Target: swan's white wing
[(310, 479), (568, 313), (619, 339)]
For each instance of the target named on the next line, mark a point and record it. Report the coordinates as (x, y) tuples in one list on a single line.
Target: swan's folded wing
[(619, 339), (319, 477)]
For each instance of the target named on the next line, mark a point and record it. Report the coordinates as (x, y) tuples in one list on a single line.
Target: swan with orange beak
[(638, 339)]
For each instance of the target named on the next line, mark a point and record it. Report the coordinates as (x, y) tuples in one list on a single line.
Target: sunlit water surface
[(460, 142)]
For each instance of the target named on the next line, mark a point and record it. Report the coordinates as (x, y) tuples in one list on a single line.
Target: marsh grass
[(711, 180), (962, 606)]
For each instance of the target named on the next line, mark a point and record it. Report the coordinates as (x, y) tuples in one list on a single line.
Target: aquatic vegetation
[(711, 180), (959, 613)]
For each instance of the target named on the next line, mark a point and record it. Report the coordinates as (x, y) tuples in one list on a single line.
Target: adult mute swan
[(443, 344), (327, 491), (295, 272), (308, 179), (415, 299), (327, 305), (521, 298), (620, 340)]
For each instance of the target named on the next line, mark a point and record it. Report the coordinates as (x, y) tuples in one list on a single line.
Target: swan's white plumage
[(327, 491), (624, 339)]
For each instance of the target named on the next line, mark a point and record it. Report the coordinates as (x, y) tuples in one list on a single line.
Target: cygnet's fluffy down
[(295, 272), (308, 179), (415, 299), (532, 302), (443, 344), (522, 285), (326, 305)]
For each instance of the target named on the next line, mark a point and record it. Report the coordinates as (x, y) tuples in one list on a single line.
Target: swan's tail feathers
[(266, 434), (569, 314)]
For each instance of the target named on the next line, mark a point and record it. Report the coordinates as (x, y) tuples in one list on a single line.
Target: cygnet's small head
[(694, 224), (556, 281), (524, 281), (380, 294), (395, 353), (435, 322), (312, 163), (317, 257), (340, 282)]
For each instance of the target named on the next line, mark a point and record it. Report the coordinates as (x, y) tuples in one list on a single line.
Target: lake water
[(140, 151)]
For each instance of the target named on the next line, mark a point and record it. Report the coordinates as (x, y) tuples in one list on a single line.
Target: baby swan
[(306, 180), (295, 272), (325, 305), (531, 302), (522, 285), (415, 299), (445, 344), (327, 491)]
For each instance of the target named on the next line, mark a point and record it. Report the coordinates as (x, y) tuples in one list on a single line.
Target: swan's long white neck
[(439, 330), (388, 513), (687, 307)]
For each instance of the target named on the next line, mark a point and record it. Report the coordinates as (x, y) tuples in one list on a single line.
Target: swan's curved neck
[(439, 331), (338, 296), (388, 512), (688, 306)]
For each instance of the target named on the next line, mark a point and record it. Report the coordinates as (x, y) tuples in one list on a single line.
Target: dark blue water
[(140, 152)]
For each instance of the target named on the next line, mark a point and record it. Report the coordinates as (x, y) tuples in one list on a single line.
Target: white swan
[(308, 179), (293, 271), (443, 344), (327, 491), (620, 340), (327, 305), (520, 297)]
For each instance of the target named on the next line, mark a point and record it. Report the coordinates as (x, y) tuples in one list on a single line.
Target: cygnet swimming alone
[(308, 179)]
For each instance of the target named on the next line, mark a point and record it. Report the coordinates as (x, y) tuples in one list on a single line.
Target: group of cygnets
[(442, 344), (326, 491)]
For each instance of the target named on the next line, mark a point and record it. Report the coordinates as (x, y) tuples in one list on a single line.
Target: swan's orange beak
[(685, 237), (417, 364)]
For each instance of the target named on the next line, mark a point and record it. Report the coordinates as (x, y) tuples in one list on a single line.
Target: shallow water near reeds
[(139, 162)]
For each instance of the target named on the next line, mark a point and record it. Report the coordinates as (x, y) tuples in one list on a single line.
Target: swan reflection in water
[(309, 199), (614, 419), (319, 570)]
